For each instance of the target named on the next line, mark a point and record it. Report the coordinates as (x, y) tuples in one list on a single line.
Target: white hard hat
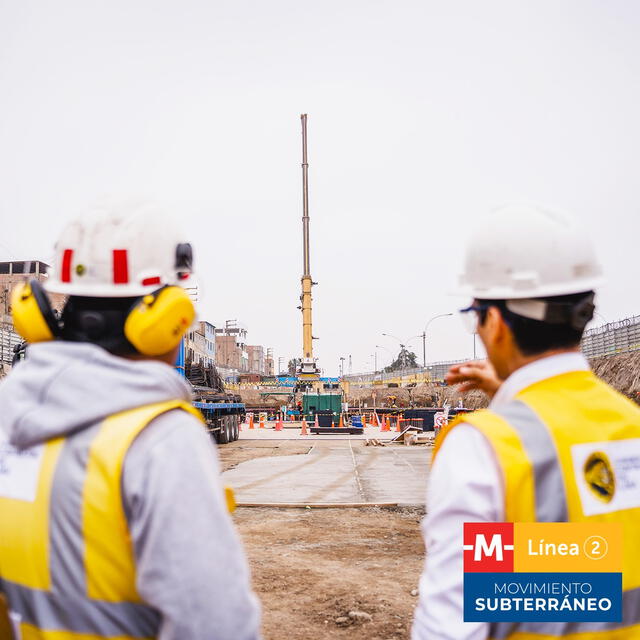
[(120, 249), (525, 251)]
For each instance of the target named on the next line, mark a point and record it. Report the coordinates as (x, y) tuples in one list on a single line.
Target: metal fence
[(438, 370), (612, 338), (434, 371)]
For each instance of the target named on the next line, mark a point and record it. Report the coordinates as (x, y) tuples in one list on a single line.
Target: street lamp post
[(424, 336), (381, 346), (388, 335)]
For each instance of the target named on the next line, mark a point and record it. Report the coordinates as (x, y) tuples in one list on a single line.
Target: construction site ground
[(330, 470), (312, 567)]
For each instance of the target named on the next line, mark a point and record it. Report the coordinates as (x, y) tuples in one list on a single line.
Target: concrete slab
[(335, 472)]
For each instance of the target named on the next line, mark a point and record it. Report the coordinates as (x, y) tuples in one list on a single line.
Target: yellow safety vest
[(67, 564), (562, 445)]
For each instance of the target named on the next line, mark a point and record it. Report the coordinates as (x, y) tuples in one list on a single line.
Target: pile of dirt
[(253, 398), (422, 395), (475, 400), (621, 371)]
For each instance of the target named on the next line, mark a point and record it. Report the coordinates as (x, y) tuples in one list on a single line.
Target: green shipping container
[(312, 402)]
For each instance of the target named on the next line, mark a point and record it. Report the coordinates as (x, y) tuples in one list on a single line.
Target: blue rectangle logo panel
[(538, 597)]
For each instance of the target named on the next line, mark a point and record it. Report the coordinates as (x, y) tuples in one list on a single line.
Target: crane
[(308, 367)]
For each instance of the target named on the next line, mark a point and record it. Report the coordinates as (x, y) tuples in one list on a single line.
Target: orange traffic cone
[(398, 427), (385, 425), (304, 431), (279, 425), (262, 422), (251, 425), (316, 425), (341, 425)]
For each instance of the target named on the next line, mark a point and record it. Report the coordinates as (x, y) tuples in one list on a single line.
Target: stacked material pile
[(621, 371)]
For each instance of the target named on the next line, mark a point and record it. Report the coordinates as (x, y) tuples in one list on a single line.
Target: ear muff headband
[(156, 323), (33, 317)]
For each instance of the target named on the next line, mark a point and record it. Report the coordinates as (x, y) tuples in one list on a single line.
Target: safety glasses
[(472, 315)]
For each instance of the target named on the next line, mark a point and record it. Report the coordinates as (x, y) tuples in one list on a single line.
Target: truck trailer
[(222, 411)]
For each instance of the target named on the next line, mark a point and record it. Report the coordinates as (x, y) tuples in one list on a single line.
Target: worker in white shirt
[(531, 273)]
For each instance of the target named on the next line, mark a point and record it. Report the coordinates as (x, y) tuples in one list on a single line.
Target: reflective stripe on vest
[(534, 439), (550, 502), (66, 559)]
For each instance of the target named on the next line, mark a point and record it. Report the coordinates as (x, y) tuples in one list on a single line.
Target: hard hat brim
[(548, 290)]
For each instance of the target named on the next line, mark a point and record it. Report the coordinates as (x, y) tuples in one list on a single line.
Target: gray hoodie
[(190, 564)]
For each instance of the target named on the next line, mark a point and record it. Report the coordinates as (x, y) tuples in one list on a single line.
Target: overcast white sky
[(423, 116)]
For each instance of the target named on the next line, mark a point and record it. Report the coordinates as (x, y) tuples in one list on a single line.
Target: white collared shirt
[(465, 485)]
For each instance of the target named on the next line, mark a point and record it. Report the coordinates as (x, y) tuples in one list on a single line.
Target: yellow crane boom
[(308, 367)]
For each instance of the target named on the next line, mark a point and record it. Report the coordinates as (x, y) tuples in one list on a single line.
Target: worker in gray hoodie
[(113, 521)]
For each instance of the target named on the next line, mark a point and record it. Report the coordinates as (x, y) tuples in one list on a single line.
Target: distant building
[(231, 347), (200, 344), (256, 359), (233, 352), (269, 364), (209, 332)]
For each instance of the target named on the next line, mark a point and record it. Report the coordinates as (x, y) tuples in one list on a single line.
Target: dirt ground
[(312, 567)]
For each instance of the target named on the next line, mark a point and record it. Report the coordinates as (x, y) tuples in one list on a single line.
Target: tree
[(405, 360), (293, 366)]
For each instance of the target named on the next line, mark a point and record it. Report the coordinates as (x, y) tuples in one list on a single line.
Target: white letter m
[(481, 547)]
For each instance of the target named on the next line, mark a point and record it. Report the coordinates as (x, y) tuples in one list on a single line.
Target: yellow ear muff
[(33, 317), (157, 322)]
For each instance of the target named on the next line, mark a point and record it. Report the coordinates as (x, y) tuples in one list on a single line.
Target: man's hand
[(478, 374)]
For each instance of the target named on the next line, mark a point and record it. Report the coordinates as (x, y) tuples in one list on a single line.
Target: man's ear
[(494, 325)]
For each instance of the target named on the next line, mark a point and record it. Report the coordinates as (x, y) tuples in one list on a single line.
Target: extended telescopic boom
[(308, 366)]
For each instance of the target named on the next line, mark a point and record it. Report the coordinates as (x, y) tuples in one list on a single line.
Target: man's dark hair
[(99, 321), (533, 337)]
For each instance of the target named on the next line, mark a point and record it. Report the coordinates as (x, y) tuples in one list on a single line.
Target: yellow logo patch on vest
[(607, 475), (599, 476)]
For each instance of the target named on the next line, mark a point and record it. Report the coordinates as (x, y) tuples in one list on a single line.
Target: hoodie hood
[(62, 387)]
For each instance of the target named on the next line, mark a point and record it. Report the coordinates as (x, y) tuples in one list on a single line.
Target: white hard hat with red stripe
[(119, 250)]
